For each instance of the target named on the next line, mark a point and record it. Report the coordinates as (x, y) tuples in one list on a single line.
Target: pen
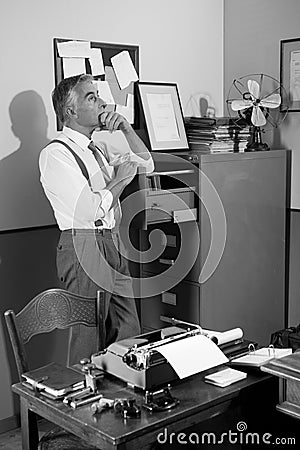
[(76, 403)]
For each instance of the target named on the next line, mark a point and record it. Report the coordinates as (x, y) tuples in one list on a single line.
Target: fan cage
[(268, 85)]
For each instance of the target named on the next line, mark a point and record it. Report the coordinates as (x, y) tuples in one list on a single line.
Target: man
[(83, 183)]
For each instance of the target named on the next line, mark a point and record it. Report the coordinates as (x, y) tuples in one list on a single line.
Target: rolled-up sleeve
[(148, 164), (106, 202), (115, 156)]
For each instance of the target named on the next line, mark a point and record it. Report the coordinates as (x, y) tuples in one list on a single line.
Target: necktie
[(95, 150)]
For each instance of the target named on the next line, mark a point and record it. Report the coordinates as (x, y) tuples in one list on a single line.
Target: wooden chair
[(49, 310)]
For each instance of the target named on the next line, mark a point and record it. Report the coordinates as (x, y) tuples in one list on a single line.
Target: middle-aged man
[(83, 182)]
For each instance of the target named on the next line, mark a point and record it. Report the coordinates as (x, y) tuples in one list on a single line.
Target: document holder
[(257, 358)]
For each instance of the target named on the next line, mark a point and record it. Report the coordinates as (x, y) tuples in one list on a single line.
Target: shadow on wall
[(22, 200), (27, 250), (200, 105)]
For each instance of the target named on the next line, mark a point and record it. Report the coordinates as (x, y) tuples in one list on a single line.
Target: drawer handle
[(171, 172), (185, 215), (169, 262)]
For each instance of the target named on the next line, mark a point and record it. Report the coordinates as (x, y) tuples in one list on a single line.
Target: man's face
[(89, 105)]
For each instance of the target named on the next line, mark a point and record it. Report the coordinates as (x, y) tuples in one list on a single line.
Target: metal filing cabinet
[(247, 287)]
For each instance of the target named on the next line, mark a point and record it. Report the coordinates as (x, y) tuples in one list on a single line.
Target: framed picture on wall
[(163, 118), (290, 71)]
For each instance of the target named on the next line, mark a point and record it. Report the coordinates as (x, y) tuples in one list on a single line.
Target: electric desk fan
[(256, 98)]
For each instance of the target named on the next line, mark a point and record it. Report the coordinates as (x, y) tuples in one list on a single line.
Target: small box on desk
[(225, 377)]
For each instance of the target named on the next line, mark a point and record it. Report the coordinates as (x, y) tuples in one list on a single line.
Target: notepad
[(225, 377), (257, 358), (54, 379)]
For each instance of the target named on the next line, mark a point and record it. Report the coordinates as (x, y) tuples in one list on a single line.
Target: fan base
[(255, 144), (256, 147)]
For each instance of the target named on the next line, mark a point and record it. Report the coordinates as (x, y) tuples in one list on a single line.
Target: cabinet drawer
[(180, 302), (178, 206), (176, 249), (166, 195)]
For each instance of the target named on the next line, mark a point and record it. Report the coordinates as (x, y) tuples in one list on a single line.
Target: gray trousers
[(86, 262)]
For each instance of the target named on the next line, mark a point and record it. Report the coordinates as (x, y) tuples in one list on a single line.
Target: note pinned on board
[(74, 49), (124, 69), (192, 355), (120, 95), (96, 61), (105, 92), (128, 110), (73, 66)]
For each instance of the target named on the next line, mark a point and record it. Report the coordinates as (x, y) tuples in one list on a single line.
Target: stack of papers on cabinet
[(218, 134), (257, 358), (225, 377)]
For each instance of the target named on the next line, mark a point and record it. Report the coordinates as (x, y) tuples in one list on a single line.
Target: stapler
[(89, 393)]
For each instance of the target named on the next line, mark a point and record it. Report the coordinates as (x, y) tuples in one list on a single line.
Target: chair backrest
[(51, 309)]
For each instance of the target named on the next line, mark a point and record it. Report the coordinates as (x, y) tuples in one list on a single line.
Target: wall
[(177, 40), (27, 49), (253, 30), (294, 264)]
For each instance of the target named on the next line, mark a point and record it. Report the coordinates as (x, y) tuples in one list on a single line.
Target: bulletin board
[(108, 51)]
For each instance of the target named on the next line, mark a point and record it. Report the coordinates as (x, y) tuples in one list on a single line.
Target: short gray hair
[(64, 95)]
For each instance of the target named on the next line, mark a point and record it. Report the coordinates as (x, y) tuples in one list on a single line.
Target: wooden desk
[(199, 402)]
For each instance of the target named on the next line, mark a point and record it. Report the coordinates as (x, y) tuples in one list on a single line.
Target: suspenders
[(82, 167), (78, 159)]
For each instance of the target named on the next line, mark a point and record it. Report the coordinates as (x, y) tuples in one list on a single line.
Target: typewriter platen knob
[(130, 359), (135, 361)]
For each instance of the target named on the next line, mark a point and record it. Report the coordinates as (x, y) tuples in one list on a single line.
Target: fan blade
[(271, 101), (254, 89), (257, 117), (238, 105)]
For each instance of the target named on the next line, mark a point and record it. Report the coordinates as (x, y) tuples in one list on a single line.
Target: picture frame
[(290, 71), (162, 115)]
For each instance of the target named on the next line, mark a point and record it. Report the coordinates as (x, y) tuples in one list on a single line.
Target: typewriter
[(137, 360)]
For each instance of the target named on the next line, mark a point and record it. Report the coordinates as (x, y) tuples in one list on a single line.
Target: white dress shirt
[(75, 203)]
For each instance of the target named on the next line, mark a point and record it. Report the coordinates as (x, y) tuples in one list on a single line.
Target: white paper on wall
[(73, 66), (124, 69), (74, 49)]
